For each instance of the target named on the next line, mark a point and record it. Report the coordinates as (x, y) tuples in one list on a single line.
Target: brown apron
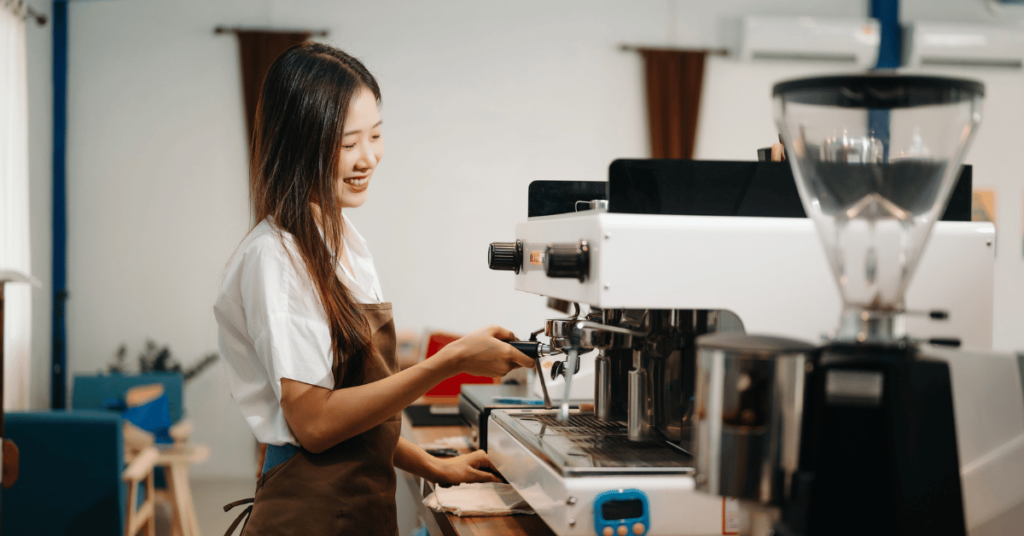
[(347, 489)]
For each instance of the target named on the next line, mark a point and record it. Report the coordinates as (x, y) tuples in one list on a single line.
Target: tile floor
[(210, 496)]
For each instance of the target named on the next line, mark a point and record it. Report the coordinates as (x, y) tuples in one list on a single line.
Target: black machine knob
[(505, 256), (568, 261)]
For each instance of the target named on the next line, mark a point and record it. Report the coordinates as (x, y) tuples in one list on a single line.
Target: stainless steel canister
[(748, 410)]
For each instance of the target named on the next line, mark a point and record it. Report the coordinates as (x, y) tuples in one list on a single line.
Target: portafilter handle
[(536, 350)]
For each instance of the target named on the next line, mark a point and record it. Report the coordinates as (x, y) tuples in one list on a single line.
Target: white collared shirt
[(273, 326)]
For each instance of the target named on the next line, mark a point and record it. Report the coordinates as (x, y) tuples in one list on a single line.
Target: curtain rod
[(23, 10), (711, 51), (235, 30)]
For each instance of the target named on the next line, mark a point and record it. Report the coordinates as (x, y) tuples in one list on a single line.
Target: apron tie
[(245, 513)]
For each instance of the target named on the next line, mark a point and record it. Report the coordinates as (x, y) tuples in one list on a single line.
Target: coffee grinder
[(858, 436)]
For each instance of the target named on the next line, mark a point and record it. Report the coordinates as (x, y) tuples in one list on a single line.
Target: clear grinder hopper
[(875, 157)]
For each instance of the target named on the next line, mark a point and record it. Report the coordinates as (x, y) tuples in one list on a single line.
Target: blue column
[(890, 56), (58, 369), (890, 50)]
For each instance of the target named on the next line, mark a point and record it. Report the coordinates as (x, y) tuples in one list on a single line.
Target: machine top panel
[(768, 271)]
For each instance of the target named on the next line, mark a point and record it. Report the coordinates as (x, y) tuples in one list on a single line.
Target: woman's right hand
[(484, 352)]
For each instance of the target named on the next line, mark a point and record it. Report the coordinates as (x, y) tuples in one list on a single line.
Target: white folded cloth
[(478, 499), (455, 442)]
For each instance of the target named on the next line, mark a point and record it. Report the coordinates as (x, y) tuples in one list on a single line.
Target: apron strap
[(245, 514)]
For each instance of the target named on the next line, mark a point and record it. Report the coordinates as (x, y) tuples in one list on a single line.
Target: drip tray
[(587, 445)]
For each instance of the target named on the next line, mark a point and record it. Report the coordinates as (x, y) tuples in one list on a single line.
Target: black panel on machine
[(703, 188), (700, 188), (560, 197)]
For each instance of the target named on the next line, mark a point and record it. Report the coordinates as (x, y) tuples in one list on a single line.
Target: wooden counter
[(449, 524)]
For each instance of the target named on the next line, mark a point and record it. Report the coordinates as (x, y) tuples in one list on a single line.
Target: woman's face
[(362, 147)]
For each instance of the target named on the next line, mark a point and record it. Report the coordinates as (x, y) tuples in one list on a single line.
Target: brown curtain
[(674, 80), (258, 50)]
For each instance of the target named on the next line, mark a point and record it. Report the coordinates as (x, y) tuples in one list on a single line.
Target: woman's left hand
[(472, 467)]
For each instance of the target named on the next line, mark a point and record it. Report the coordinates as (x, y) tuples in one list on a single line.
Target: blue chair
[(72, 478), (97, 391), (94, 391), (171, 473)]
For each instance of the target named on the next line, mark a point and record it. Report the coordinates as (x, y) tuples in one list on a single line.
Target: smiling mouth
[(357, 181)]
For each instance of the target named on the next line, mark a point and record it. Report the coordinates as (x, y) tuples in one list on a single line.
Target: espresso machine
[(877, 431), (663, 253)]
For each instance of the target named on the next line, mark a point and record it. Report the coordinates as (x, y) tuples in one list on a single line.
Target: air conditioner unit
[(929, 44), (853, 41)]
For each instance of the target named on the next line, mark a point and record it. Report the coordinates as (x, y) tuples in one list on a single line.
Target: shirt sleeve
[(284, 317)]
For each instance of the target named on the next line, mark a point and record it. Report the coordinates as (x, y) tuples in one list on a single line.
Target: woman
[(308, 343)]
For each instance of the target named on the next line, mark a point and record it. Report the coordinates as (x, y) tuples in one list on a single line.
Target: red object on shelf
[(451, 386)]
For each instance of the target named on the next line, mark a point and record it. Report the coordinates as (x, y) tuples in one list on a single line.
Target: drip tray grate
[(581, 424), (587, 442)]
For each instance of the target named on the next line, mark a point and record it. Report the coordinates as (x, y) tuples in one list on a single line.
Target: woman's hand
[(472, 467), (484, 353)]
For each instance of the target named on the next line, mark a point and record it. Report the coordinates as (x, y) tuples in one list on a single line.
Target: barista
[(308, 341)]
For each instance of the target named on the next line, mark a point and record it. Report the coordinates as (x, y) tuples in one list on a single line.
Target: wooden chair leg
[(132, 514), (140, 516), (181, 475), (151, 499), (137, 516)]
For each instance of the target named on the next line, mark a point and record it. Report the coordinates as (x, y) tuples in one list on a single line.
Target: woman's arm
[(321, 418), (466, 468)]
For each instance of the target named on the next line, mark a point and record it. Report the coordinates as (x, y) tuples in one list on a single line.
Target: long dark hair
[(294, 162)]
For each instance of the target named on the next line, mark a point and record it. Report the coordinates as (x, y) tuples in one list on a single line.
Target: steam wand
[(563, 410)]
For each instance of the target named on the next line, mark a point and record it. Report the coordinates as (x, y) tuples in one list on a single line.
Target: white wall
[(40, 171), (480, 99)]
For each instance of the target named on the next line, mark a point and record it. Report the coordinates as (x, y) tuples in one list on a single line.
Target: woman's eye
[(348, 146), (376, 137)]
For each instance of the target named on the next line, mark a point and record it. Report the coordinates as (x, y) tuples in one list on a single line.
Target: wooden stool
[(140, 516), (174, 459)]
